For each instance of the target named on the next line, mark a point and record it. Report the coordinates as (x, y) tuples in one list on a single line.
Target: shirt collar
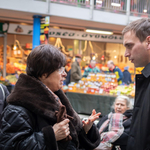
[(146, 70)]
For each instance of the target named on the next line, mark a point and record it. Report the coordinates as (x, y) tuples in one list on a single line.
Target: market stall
[(97, 91), (85, 103)]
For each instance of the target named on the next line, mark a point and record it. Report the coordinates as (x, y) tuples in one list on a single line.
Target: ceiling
[(68, 23)]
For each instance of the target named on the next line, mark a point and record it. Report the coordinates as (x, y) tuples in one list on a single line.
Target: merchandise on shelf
[(12, 79), (123, 89), (101, 84)]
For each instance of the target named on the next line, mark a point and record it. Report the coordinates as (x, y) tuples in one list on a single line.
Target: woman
[(39, 115), (114, 128)]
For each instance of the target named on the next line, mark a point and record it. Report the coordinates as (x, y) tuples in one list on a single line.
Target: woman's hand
[(61, 129), (89, 122)]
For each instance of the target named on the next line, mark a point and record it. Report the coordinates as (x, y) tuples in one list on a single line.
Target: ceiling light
[(115, 4), (145, 10), (99, 31)]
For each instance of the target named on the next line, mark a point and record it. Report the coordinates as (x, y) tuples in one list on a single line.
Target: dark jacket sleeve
[(91, 140), (130, 78), (6, 94), (5, 90), (18, 132)]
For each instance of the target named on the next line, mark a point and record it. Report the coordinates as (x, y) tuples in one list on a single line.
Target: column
[(36, 31)]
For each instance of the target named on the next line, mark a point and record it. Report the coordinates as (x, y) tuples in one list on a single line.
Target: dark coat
[(3, 98), (139, 138), (68, 77), (28, 119), (126, 77), (122, 141), (75, 72)]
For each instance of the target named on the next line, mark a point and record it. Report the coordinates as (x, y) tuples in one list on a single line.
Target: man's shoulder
[(74, 63), (96, 68), (87, 68), (117, 69)]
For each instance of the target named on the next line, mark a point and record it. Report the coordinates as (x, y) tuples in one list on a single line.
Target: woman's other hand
[(89, 122), (61, 129)]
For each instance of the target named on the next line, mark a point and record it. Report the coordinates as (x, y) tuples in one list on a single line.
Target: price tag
[(118, 92), (92, 90), (70, 88), (101, 91)]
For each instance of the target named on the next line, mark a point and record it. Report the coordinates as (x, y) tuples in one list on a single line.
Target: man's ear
[(148, 42)]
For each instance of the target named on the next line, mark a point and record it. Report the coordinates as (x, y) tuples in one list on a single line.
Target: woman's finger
[(93, 112), (94, 117)]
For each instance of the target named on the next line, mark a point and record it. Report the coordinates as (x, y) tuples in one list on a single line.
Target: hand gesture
[(61, 129), (89, 122)]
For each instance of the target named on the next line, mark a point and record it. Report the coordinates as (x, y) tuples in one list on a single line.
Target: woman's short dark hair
[(44, 59)]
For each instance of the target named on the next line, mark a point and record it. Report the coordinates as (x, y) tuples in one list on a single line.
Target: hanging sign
[(61, 33), (44, 29), (70, 34), (20, 29), (4, 27)]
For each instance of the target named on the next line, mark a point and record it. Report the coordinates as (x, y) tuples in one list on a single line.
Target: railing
[(116, 6), (104, 5), (139, 8)]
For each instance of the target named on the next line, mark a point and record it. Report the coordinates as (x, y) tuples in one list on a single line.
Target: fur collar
[(34, 96)]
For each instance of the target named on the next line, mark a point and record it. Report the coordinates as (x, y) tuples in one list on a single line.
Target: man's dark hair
[(44, 59), (140, 27)]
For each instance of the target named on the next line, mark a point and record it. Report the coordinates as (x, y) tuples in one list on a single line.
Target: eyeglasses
[(61, 70)]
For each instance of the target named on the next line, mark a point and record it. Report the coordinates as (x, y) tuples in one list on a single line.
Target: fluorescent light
[(115, 4), (145, 10), (100, 2), (99, 31)]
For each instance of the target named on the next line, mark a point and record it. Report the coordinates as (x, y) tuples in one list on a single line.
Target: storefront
[(70, 42), (100, 47)]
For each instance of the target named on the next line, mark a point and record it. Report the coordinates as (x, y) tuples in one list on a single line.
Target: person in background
[(126, 76), (75, 69), (91, 68), (68, 71), (114, 69), (136, 39), (39, 116), (114, 128)]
